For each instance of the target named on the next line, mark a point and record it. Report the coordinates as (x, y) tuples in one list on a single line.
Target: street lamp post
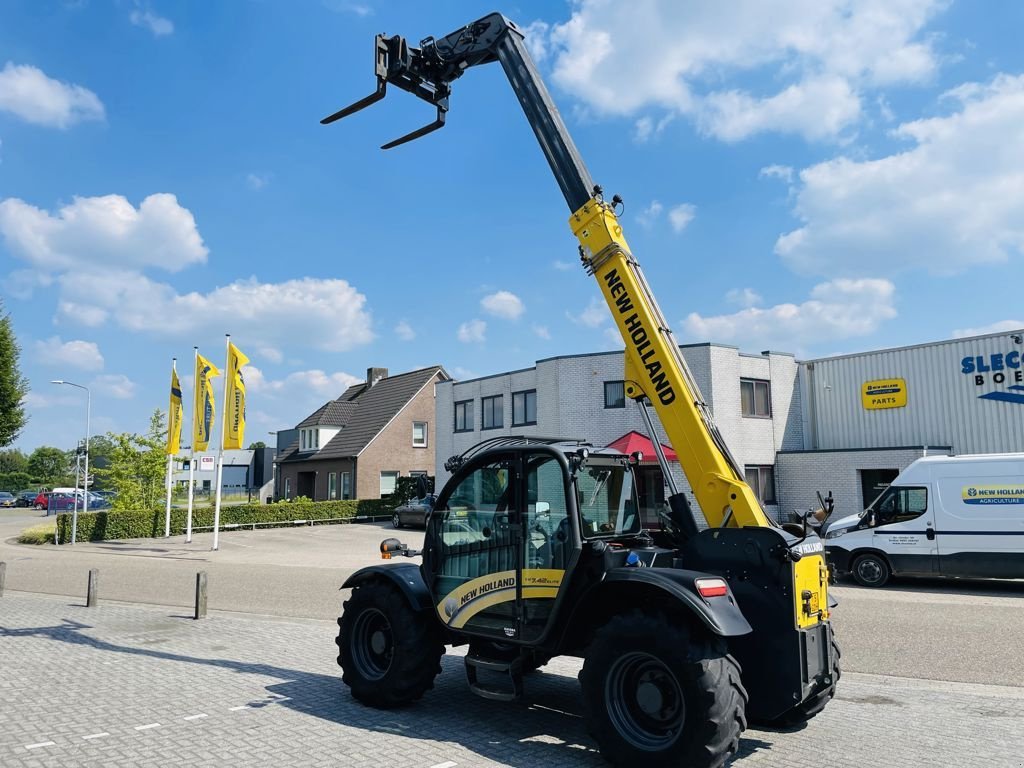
[(88, 427)]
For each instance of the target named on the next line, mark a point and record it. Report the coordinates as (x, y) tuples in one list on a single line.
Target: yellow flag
[(234, 408), (174, 416), (203, 413)]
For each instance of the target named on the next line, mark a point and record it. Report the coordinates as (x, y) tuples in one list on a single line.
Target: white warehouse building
[(845, 424)]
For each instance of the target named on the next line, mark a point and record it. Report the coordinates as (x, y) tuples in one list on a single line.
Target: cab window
[(899, 505), (606, 500)]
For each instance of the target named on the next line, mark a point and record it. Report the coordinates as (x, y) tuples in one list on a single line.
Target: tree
[(13, 460), (100, 448), (13, 386), (136, 465), (50, 466), (257, 444)]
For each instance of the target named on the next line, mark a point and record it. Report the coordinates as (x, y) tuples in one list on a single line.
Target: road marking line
[(96, 735), (235, 709), (448, 764), (147, 726), (41, 744), (196, 717)]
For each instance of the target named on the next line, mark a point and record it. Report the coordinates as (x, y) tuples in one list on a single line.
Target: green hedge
[(141, 524)]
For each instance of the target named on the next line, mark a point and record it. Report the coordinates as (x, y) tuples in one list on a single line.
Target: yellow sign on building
[(884, 393)]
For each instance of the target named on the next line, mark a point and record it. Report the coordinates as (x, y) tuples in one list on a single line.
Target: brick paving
[(131, 685)]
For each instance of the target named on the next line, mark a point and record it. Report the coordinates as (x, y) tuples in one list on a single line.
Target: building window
[(332, 485), (388, 481), (464, 416), (302, 439), (492, 412), (316, 438), (346, 485), (755, 398), (419, 434), (762, 480), (614, 394), (287, 487), (524, 407)]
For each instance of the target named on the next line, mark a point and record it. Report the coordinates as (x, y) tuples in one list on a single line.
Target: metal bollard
[(3, 576), (90, 596), (201, 595)]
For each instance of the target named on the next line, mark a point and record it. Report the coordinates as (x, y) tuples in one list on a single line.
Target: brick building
[(358, 445)]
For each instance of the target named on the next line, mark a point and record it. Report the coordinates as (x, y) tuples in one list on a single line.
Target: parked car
[(26, 499), (414, 513), (42, 500), (6, 499)]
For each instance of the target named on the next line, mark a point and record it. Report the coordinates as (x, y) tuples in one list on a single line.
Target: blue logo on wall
[(999, 368), (1006, 397)]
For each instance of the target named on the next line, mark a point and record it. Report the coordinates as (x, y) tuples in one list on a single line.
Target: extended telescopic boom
[(655, 368)]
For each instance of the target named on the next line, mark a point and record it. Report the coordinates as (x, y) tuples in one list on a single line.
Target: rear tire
[(871, 570), (396, 520), (389, 653), (657, 694)]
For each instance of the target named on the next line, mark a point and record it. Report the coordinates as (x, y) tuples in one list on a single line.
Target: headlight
[(836, 533)]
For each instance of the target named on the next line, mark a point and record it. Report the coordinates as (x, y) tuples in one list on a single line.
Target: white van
[(960, 516)]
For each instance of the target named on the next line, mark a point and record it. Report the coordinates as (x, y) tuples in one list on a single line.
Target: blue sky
[(814, 177)]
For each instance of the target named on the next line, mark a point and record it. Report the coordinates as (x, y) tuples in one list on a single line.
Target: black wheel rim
[(870, 570), (372, 644), (644, 701)]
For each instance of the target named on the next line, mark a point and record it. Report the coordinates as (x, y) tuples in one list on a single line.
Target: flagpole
[(220, 447), (192, 448), (170, 465)]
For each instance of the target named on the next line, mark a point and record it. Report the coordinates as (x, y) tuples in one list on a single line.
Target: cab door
[(477, 569), (903, 527)]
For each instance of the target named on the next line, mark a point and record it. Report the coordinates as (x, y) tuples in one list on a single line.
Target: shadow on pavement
[(545, 728)]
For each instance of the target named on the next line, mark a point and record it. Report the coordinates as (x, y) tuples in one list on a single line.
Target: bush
[(38, 534), (141, 524)]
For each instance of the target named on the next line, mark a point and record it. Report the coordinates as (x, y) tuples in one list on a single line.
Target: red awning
[(634, 441)]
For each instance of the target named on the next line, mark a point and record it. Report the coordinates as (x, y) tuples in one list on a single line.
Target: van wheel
[(871, 570), (396, 520)]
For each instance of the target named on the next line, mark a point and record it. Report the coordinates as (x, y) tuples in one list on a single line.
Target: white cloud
[(681, 215), (257, 181), (106, 231), (838, 309), (594, 315), (299, 385), (817, 57), (650, 214), (404, 331), (503, 304), (997, 327), (614, 337), (472, 331), (782, 172), (645, 128), (273, 354), (562, 266), (28, 93), (362, 10), (115, 385), (77, 354), (146, 19), (951, 201), (542, 332), (745, 297), (326, 314)]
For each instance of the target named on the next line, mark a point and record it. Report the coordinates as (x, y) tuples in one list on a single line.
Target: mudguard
[(721, 615), (406, 576)]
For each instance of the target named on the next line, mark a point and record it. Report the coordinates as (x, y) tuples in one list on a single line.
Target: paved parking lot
[(140, 685)]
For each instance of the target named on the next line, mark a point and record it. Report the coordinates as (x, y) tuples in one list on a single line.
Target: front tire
[(658, 694), (396, 520), (871, 570), (389, 653)]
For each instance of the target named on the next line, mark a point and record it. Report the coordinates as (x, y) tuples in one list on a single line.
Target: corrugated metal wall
[(943, 403)]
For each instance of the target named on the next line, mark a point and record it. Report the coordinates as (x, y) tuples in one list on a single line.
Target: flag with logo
[(234, 408), (174, 416), (202, 415)]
